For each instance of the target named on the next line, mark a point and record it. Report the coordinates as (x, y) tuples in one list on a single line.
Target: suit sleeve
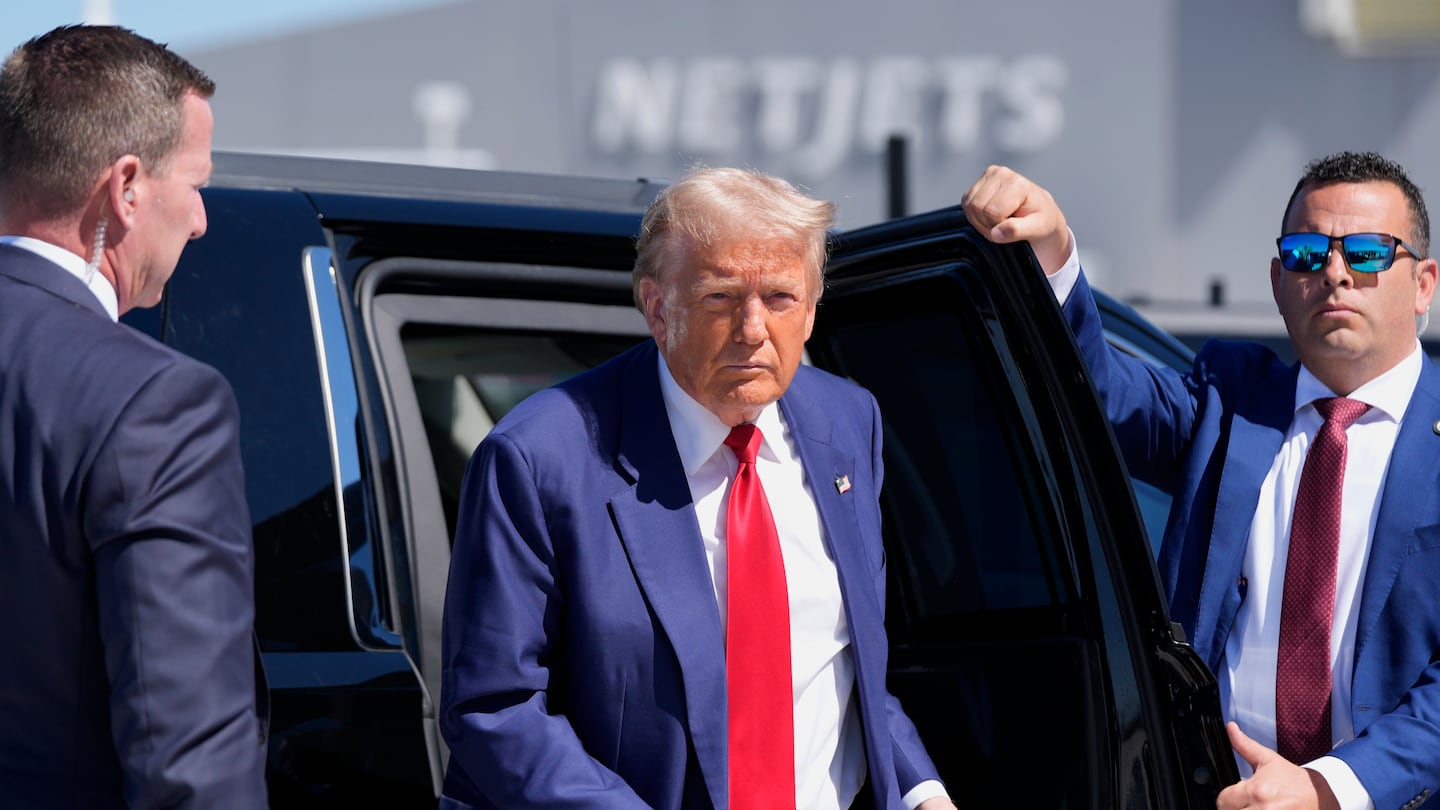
[(1397, 758), (1151, 408), (501, 649), (166, 517)]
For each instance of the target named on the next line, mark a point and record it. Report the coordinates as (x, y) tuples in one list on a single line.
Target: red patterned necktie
[(757, 642), (1302, 673)]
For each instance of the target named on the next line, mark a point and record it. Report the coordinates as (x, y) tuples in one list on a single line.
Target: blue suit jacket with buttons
[(1209, 437), (584, 661)]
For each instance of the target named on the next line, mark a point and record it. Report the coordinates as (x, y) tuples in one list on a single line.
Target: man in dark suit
[(1343, 711), (603, 566), (130, 672)]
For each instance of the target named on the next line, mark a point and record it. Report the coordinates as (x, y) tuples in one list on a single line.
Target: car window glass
[(962, 491), (466, 379), (984, 610)]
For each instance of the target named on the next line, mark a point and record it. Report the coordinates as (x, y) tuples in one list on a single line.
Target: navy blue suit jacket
[(1209, 438), (129, 674), (584, 663)]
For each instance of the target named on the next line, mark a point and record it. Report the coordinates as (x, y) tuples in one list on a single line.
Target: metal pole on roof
[(896, 177)]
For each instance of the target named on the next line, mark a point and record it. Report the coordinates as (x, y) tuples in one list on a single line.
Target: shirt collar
[(699, 433), (1389, 393), (99, 285)]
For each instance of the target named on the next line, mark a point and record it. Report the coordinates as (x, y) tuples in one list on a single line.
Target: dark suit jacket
[(584, 662), (129, 675), (1209, 438)]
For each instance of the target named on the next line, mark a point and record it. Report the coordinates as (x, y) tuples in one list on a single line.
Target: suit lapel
[(656, 523), (1262, 416), (826, 466), (1407, 504)]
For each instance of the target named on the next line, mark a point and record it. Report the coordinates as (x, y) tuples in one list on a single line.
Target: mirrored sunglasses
[(1363, 252)]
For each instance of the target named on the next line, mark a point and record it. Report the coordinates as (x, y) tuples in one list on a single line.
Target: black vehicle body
[(375, 319)]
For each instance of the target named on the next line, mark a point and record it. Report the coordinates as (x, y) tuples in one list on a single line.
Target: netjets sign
[(819, 113)]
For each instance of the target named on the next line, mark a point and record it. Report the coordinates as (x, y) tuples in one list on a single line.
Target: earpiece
[(129, 195), (98, 253)]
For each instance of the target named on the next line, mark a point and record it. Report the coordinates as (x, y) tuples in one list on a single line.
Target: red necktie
[(757, 642), (1302, 674)]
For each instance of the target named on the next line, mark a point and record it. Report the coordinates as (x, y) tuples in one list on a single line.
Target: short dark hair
[(1366, 167), (76, 99)]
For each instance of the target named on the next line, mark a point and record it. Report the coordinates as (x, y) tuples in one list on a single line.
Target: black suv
[(376, 320)]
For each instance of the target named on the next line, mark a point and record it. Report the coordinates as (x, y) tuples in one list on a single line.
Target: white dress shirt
[(830, 763), (1247, 680), (98, 284), (1247, 688)]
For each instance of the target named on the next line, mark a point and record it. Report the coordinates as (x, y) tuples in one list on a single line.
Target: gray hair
[(711, 205)]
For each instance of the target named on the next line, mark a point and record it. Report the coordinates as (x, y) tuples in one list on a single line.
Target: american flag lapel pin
[(842, 484)]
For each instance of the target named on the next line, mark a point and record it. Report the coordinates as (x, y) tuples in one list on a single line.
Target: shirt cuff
[(1349, 793), (928, 789), (1062, 281)]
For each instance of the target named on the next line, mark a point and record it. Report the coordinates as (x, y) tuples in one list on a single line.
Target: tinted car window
[(984, 614), (959, 483)]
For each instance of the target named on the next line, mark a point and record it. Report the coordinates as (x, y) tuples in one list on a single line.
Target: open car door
[(1030, 639)]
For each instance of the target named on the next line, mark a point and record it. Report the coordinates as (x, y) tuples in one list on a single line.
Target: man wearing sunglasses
[(1302, 555)]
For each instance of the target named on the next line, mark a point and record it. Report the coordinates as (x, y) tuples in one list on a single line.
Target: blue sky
[(187, 23)]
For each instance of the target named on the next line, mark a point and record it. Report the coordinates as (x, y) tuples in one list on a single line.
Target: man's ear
[(122, 189), (652, 304), (1275, 272), (1425, 278)]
